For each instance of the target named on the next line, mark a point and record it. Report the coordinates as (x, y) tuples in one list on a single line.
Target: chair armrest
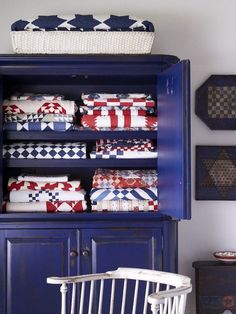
[(75, 279), (159, 297)]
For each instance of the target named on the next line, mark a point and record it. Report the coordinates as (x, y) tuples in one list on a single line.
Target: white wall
[(202, 31)]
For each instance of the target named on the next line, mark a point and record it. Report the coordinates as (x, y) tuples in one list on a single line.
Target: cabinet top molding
[(86, 64), (89, 58)]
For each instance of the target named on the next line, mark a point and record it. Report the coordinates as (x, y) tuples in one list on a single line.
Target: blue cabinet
[(109, 249), (28, 257), (37, 245)]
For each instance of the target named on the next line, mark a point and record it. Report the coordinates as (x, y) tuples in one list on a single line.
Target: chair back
[(124, 291)]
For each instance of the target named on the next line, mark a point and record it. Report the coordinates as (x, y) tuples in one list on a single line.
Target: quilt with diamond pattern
[(45, 150)]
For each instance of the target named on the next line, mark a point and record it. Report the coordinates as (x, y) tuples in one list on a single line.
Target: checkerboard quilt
[(121, 154), (45, 150)]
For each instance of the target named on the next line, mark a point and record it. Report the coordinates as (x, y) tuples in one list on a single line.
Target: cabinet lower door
[(105, 250), (28, 258)]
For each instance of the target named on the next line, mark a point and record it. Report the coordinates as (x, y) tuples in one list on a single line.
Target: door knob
[(73, 253), (85, 253)]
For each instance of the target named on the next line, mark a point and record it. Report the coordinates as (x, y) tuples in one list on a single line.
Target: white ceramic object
[(225, 256)]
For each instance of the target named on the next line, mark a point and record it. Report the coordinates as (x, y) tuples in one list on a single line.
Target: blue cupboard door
[(173, 90), (108, 249), (30, 257)]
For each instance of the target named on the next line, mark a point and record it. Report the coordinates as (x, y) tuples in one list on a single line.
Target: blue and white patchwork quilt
[(123, 194), (78, 22), (44, 150), (38, 126)]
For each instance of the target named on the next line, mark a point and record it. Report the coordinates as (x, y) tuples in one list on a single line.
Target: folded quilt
[(121, 154), (116, 95), (122, 205), (43, 178), (123, 194), (78, 22), (118, 111), (51, 207), (39, 106), (124, 102), (16, 185), (117, 129), (31, 96), (113, 122), (110, 178), (38, 126), (45, 150), (125, 145), (35, 117), (46, 195)]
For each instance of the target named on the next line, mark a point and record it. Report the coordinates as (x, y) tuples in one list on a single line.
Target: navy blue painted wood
[(146, 240), (42, 249), (78, 135), (29, 257), (81, 163), (131, 217), (127, 247), (1, 140), (85, 65), (174, 141)]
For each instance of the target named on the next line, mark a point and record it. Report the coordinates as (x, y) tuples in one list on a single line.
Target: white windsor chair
[(166, 292)]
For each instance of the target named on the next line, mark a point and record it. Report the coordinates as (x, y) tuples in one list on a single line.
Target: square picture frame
[(215, 173)]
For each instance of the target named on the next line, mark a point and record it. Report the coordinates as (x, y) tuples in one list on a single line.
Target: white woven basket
[(73, 42)]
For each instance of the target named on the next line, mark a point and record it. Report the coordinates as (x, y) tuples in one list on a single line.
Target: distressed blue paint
[(174, 141), (81, 163), (110, 249), (147, 240), (78, 135), (31, 256)]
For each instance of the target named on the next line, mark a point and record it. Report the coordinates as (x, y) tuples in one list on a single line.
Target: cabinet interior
[(72, 86)]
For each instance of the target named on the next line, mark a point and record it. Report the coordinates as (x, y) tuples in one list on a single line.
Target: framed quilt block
[(215, 102), (216, 172)]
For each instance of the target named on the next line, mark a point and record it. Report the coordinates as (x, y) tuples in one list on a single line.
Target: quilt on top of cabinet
[(124, 190), (39, 112), (78, 22), (216, 172), (82, 34), (118, 112), (46, 150), (50, 195), (216, 102)]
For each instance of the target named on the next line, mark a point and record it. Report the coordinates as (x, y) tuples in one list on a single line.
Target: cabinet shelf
[(81, 163), (86, 216), (77, 135)]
